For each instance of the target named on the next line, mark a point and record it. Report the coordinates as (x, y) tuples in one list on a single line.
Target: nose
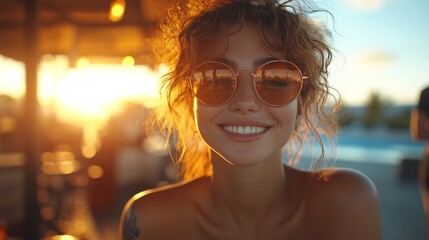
[(245, 98)]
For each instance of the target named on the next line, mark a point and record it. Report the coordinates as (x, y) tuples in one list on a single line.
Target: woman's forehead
[(246, 36)]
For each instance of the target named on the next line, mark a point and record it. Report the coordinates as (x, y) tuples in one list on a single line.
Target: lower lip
[(244, 137)]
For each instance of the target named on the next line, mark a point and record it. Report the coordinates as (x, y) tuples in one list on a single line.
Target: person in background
[(248, 83), (419, 128)]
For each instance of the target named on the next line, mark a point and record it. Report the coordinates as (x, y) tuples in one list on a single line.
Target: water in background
[(357, 144)]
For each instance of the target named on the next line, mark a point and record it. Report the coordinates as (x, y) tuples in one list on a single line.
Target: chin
[(239, 159)]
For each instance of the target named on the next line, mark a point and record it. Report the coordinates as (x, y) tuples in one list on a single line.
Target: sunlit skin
[(251, 194), (245, 108)]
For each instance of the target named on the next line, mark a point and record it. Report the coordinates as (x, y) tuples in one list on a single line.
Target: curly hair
[(285, 26)]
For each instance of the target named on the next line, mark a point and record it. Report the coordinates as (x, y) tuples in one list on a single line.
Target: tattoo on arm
[(130, 229)]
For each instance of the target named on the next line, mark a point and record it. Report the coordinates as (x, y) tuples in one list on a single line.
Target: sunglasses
[(276, 83)]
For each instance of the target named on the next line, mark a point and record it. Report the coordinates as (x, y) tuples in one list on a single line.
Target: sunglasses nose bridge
[(248, 73), (245, 90)]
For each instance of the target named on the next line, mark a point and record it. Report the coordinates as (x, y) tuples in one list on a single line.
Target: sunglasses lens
[(278, 83), (213, 83)]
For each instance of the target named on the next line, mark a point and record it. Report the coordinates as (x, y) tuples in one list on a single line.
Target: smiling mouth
[(245, 129)]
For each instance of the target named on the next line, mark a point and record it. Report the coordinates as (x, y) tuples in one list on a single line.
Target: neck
[(249, 191)]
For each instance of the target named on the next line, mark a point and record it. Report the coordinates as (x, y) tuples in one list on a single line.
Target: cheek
[(288, 116), (203, 117), (290, 111)]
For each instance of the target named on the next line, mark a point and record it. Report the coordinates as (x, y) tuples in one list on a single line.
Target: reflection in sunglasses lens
[(277, 83), (213, 83)]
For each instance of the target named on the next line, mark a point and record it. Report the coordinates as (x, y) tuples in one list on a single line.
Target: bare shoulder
[(346, 202), (347, 181), (146, 215)]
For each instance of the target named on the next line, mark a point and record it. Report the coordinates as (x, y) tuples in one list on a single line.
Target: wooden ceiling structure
[(79, 28)]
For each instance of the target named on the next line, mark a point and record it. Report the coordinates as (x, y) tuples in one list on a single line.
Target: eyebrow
[(256, 63)]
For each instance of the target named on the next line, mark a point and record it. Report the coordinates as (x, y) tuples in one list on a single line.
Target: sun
[(87, 92), (94, 91)]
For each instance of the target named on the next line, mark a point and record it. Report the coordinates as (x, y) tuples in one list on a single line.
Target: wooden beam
[(32, 218)]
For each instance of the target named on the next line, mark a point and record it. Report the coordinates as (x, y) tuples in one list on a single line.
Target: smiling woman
[(249, 77)]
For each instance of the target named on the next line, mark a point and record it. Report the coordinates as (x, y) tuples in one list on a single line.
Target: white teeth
[(244, 129)]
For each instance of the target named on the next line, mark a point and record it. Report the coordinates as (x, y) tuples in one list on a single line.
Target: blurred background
[(78, 80)]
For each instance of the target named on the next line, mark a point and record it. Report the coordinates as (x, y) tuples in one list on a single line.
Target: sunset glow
[(12, 77), (96, 91), (86, 92)]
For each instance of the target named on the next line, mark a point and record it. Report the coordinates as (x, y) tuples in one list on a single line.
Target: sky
[(381, 46)]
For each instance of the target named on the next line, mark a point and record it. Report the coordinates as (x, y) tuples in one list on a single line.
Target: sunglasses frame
[(236, 74)]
